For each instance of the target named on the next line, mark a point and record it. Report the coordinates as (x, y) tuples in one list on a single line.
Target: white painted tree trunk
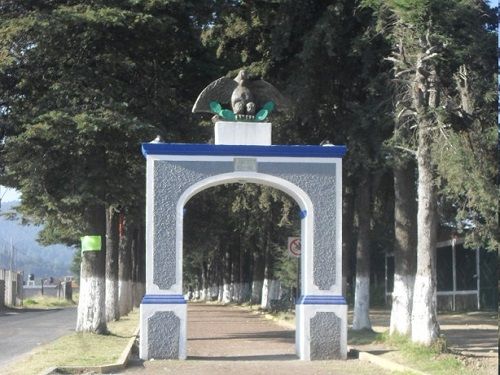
[(226, 293), (214, 292), (405, 246), (92, 302), (425, 327), (91, 305), (256, 291), (236, 287), (220, 296), (362, 304), (266, 294), (361, 319), (112, 297), (275, 290), (125, 296), (402, 297)]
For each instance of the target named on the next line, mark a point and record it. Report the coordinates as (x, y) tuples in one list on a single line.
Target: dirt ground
[(232, 340), (472, 336)]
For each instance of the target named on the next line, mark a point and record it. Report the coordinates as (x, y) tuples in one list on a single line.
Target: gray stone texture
[(318, 182), (172, 178), (164, 329), (325, 336)]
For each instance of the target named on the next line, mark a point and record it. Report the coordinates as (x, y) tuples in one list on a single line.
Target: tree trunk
[(361, 319), (425, 328), (226, 278), (141, 264), (268, 274), (257, 276), (404, 247), (124, 266), (112, 310), (92, 302), (347, 230)]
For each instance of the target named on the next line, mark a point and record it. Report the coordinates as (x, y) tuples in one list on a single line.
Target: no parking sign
[(294, 246)]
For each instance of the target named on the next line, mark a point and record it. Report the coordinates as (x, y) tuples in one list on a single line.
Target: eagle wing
[(219, 91), (265, 92)]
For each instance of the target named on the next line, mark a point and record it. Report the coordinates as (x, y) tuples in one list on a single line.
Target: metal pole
[(298, 277)]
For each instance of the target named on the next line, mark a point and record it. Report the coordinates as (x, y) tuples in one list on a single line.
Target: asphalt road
[(22, 331)]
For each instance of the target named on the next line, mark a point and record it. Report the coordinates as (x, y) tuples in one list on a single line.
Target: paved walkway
[(231, 340)]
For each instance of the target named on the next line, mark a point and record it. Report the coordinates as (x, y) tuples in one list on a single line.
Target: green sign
[(91, 243)]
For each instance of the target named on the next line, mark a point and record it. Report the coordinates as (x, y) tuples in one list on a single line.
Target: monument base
[(243, 133), (321, 332), (163, 332)]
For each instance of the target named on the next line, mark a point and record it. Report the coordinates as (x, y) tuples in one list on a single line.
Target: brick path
[(230, 340)]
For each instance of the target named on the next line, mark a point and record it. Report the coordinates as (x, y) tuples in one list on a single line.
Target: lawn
[(79, 349)]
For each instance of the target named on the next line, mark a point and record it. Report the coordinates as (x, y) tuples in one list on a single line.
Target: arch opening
[(235, 251)]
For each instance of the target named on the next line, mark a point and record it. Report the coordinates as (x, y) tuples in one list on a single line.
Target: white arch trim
[(302, 199)]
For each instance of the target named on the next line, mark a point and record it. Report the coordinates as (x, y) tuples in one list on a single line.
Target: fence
[(62, 290)]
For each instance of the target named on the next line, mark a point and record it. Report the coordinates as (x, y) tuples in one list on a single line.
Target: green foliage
[(238, 219), (287, 269), (463, 39), (81, 86)]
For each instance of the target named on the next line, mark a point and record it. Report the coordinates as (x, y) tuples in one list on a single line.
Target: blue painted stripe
[(230, 150), (321, 300), (162, 299)]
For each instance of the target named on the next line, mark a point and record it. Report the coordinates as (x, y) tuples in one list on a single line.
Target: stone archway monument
[(242, 153)]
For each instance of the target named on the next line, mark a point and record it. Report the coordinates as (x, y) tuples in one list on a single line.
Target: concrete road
[(23, 330)]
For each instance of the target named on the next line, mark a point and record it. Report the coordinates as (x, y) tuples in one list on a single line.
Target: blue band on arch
[(321, 300), (244, 150), (163, 299)]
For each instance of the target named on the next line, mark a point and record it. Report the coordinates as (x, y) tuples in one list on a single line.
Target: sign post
[(294, 249), (294, 246)]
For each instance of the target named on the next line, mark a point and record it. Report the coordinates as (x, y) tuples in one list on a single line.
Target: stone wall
[(13, 287)]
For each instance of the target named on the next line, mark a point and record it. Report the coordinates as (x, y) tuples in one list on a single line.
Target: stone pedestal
[(242, 133), (321, 332), (163, 321)]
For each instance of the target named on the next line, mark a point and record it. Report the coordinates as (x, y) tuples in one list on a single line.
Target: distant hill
[(31, 257)]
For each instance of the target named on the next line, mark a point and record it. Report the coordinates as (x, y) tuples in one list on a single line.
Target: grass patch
[(80, 349), (433, 360), (46, 302), (363, 337)]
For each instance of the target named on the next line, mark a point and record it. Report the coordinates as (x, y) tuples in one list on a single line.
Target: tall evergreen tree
[(82, 84), (429, 39)]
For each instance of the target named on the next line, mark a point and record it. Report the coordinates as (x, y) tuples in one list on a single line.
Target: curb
[(119, 365), (384, 363)]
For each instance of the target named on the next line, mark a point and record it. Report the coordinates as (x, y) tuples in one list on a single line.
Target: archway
[(311, 175)]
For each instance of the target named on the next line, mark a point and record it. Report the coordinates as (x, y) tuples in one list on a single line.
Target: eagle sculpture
[(250, 100)]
